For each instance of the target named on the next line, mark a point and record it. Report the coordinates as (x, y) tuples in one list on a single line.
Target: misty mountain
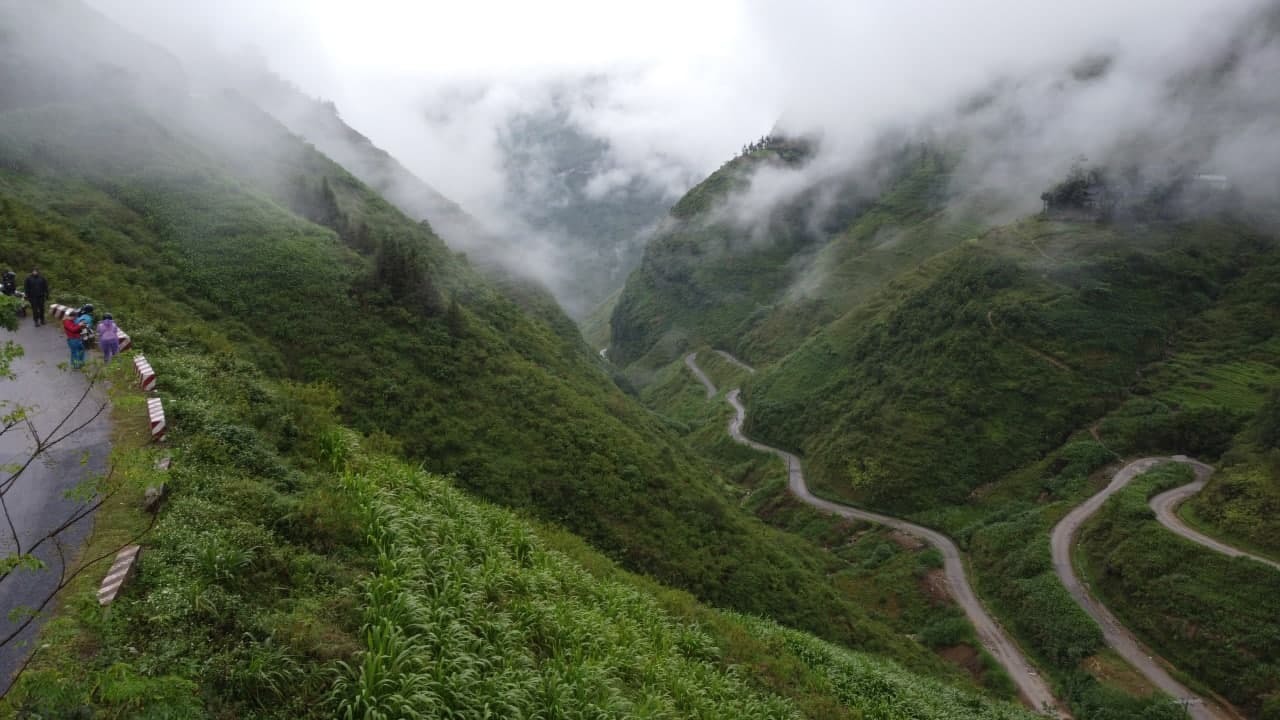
[(572, 219), (967, 319), (1159, 139), (320, 123), (563, 184), (333, 370), (403, 486)]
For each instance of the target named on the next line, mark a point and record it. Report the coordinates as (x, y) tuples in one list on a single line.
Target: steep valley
[(399, 482)]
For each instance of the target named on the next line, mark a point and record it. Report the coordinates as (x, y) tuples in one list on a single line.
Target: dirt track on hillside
[(1034, 690)]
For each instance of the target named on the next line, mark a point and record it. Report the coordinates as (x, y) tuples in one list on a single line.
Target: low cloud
[(672, 90)]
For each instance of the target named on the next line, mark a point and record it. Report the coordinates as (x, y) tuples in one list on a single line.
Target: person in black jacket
[(37, 290)]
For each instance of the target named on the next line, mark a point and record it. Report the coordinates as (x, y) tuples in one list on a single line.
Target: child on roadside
[(71, 327), (108, 338)]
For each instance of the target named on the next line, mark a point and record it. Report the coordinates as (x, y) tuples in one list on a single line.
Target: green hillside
[(993, 354), (909, 343), (297, 571), (418, 347), (406, 488), (283, 300), (896, 579), (760, 288), (980, 378), (705, 278)]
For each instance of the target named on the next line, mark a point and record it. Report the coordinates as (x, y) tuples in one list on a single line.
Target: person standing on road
[(37, 290), (72, 327), (108, 338)]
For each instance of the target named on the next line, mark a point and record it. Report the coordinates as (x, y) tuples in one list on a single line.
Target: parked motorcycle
[(9, 286)]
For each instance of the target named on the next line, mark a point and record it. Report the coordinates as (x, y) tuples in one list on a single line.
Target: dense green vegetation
[(981, 386), (548, 637), (706, 278), (1214, 617), (281, 299), (1242, 504), (329, 362), (244, 599), (895, 578), (1004, 529), (760, 288), (1242, 501), (991, 360), (467, 615), (862, 681), (516, 408), (296, 571)]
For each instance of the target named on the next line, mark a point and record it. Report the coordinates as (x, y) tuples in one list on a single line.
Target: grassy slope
[(297, 571), (1010, 423), (761, 290), (1233, 358), (707, 280), (960, 387), (990, 356), (514, 408), (894, 579)]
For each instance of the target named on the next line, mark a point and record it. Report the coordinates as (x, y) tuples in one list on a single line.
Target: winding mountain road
[(735, 361), (691, 361), (1165, 505), (1116, 635), (1034, 690)]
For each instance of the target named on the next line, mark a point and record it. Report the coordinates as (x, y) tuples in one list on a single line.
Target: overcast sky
[(693, 79)]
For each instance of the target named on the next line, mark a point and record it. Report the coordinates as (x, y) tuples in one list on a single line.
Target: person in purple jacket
[(108, 338)]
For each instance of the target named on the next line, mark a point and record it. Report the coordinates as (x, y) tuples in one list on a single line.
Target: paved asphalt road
[(1119, 638), (36, 500), (1033, 689), (1166, 505)]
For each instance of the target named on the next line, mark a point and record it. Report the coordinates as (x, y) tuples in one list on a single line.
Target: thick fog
[(670, 90)]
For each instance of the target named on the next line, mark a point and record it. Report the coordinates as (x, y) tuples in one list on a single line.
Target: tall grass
[(468, 614)]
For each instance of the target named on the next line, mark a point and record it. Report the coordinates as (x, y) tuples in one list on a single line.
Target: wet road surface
[(36, 499)]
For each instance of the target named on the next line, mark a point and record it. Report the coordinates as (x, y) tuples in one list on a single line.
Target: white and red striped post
[(121, 570), (126, 342), (146, 375), (155, 415)]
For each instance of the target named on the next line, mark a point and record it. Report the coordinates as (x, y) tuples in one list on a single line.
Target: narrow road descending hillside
[(37, 501), (1165, 505), (1119, 638), (691, 361), (735, 361), (1033, 689)]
